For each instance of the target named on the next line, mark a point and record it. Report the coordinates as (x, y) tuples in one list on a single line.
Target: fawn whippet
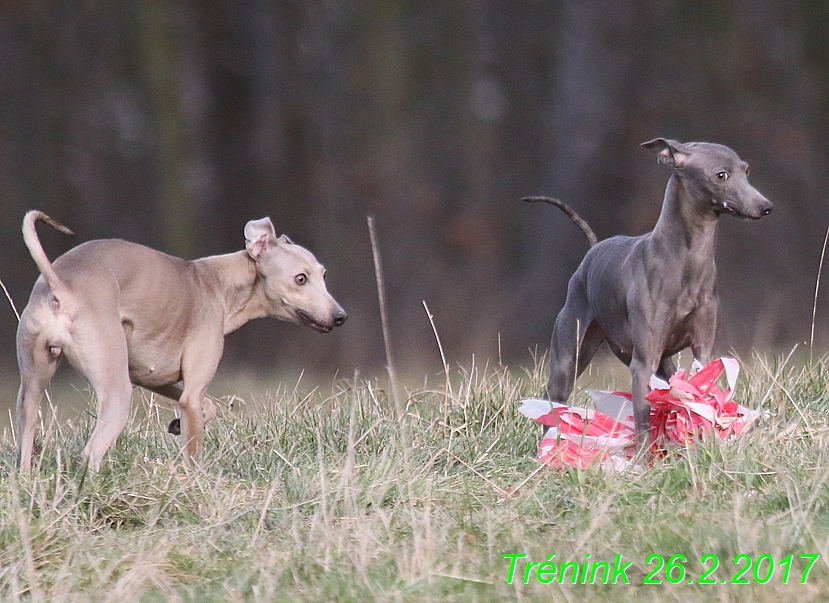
[(125, 314)]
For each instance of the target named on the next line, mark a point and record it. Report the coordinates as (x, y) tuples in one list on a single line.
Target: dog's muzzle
[(763, 209), (337, 320)]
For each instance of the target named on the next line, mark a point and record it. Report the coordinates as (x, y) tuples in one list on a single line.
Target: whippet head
[(293, 280), (713, 174)]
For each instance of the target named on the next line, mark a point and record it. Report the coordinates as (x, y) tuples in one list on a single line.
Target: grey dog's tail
[(577, 220)]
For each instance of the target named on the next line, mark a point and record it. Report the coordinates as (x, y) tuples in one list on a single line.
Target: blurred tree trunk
[(590, 83), (159, 60), (514, 46)]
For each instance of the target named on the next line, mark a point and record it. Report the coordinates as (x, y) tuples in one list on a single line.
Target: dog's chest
[(694, 293), (685, 305)]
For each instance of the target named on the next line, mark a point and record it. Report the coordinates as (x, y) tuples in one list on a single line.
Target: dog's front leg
[(641, 369), (198, 367), (174, 391), (705, 331), (192, 424)]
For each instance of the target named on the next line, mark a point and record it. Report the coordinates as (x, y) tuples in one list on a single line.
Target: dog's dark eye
[(722, 176), (748, 170), (301, 279), (324, 274)]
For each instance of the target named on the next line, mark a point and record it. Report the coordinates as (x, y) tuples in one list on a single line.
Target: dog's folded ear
[(258, 234), (668, 152)]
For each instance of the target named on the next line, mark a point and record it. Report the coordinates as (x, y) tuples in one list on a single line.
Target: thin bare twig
[(437, 338), (817, 287), (11, 302), (448, 394)]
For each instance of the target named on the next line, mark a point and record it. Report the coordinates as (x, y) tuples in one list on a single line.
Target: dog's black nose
[(339, 318), (767, 210)]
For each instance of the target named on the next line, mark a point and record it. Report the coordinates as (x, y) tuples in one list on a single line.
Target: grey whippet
[(125, 314), (653, 295)]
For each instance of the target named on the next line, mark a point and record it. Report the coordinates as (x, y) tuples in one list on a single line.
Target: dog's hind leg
[(664, 371), (666, 368), (37, 366), (617, 351), (594, 337), (99, 351), (574, 343)]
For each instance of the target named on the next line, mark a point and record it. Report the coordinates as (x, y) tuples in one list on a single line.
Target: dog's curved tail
[(36, 249), (577, 220)]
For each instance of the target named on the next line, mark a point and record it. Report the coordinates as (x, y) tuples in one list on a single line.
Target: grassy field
[(326, 495)]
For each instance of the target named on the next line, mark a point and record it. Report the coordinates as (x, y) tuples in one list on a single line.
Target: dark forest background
[(174, 123)]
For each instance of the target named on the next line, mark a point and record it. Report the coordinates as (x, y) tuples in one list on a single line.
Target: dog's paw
[(174, 427)]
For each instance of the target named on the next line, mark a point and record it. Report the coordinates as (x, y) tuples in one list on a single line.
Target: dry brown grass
[(308, 496)]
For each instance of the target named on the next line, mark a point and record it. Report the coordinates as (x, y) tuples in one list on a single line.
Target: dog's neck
[(686, 225), (234, 279)]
